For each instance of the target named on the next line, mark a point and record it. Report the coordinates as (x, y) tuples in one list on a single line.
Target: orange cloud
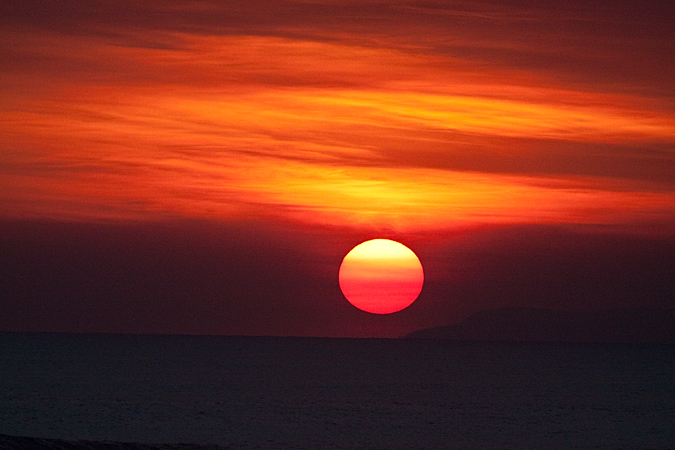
[(341, 131)]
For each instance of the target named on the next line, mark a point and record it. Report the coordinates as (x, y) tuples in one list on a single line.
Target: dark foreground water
[(278, 393)]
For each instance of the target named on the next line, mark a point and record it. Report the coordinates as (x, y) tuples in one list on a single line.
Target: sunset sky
[(203, 167)]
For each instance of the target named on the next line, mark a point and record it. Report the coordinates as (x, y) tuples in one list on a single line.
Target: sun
[(381, 276)]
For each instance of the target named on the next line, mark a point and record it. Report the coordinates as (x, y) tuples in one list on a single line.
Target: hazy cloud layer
[(250, 278)]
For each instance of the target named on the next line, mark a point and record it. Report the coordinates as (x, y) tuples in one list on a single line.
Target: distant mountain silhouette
[(630, 326)]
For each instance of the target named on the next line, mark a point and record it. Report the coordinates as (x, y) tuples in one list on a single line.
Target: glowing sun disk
[(381, 276)]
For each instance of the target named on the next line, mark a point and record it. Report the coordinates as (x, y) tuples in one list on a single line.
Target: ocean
[(325, 393)]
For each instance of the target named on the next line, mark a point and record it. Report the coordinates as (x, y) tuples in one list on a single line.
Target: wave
[(30, 443)]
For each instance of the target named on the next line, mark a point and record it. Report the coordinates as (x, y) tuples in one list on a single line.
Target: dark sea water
[(279, 393)]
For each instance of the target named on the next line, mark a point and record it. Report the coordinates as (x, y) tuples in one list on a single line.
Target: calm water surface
[(277, 393)]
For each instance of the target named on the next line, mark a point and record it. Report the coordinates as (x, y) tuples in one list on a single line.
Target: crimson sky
[(203, 167)]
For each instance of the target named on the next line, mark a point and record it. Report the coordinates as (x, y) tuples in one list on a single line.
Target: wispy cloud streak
[(192, 109)]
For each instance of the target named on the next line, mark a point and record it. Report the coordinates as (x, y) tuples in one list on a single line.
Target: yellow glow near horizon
[(384, 249)]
